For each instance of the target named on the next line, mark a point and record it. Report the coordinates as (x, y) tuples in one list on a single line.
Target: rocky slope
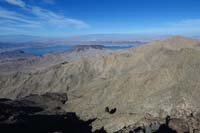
[(157, 79)]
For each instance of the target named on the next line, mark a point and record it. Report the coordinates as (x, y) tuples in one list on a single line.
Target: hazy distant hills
[(148, 81), (10, 46), (92, 37), (20, 38), (14, 54), (81, 38), (17, 42)]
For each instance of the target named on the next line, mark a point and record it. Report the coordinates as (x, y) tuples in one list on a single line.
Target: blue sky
[(74, 17)]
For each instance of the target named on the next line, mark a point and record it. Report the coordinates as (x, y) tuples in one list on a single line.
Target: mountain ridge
[(160, 78)]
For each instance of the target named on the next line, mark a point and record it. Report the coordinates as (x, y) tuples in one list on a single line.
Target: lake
[(45, 50), (61, 48)]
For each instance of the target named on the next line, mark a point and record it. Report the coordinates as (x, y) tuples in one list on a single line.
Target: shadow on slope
[(28, 117), (68, 123)]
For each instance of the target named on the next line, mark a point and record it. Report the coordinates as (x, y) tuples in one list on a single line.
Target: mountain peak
[(177, 42), (180, 38)]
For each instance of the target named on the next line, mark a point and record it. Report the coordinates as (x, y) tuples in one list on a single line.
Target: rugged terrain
[(120, 89), (19, 61)]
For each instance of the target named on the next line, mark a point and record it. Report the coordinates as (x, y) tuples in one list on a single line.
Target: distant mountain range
[(16, 42), (20, 38), (80, 38)]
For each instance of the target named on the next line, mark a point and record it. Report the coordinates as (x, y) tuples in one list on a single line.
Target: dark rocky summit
[(41, 114)]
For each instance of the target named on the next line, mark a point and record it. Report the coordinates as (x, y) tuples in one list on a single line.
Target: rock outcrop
[(35, 114)]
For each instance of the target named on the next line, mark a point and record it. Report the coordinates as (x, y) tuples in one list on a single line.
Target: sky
[(77, 17)]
